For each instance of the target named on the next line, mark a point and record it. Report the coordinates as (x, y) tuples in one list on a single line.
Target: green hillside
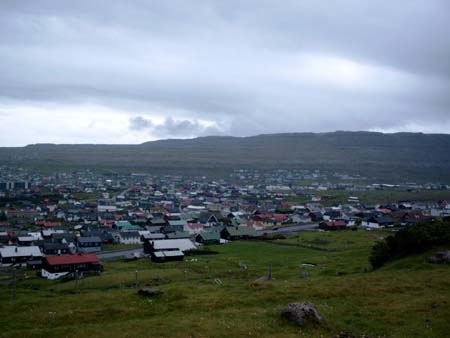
[(406, 298)]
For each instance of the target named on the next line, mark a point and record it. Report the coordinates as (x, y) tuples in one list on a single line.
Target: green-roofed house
[(239, 232), (127, 226), (208, 237), (236, 221)]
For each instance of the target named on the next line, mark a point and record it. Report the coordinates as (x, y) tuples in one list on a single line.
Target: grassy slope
[(408, 298)]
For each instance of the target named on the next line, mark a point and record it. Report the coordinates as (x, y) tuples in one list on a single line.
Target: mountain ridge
[(396, 155)]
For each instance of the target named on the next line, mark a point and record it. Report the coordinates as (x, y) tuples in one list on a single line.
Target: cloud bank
[(128, 72)]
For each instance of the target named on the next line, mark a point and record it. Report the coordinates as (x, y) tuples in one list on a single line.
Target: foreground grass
[(408, 298)]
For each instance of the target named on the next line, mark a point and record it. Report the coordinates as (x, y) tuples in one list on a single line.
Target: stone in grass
[(305, 274), (442, 257), (301, 313), (149, 292)]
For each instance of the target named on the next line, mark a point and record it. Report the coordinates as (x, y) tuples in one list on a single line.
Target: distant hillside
[(390, 156)]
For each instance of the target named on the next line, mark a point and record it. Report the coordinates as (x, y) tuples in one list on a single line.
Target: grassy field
[(118, 246), (377, 196), (407, 298)]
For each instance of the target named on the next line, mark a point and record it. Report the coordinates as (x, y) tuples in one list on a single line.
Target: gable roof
[(54, 246), (20, 251), (168, 253), (210, 236), (180, 244), (206, 218), (73, 259), (92, 239), (153, 235), (241, 231), (125, 225), (337, 223), (178, 234), (177, 223)]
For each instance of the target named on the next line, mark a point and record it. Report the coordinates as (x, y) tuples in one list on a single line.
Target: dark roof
[(205, 218), (178, 234), (105, 235), (381, 219), (54, 246), (92, 239), (158, 221), (66, 236)]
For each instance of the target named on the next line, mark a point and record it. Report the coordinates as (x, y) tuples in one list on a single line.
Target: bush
[(380, 254), (412, 240)]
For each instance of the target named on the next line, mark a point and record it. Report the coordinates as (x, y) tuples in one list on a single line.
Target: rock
[(149, 292), (301, 313), (442, 257), (305, 274)]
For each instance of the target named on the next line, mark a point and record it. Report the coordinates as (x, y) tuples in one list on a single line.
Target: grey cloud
[(139, 123), (171, 127), (236, 63)]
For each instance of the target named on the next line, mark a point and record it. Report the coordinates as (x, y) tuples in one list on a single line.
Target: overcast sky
[(133, 71)]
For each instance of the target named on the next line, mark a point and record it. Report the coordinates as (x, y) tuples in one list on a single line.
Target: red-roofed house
[(333, 225), (107, 223), (257, 225), (48, 224), (57, 266), (193, 228)]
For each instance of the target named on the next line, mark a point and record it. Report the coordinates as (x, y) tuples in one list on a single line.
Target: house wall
[(371, 225), (130, 240)]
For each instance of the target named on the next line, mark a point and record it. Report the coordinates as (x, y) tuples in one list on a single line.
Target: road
[(293, 229), (124, 192)]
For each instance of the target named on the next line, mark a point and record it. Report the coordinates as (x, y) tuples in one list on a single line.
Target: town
[(266, 169), (64, 224)]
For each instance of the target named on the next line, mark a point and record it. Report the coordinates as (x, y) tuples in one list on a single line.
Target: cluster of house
[(56, 252), (62, 221)]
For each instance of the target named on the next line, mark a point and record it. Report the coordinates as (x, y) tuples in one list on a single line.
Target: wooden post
[(14, 285), (136, 279), (76, 282)]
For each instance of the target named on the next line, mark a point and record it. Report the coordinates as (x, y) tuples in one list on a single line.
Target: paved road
[(124, 192), (119, 253), (293, 229)]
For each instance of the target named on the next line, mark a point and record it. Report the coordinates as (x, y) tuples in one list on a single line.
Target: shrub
[(412, 240)]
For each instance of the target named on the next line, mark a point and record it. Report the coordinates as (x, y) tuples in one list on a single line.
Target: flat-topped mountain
[(389, 156)]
